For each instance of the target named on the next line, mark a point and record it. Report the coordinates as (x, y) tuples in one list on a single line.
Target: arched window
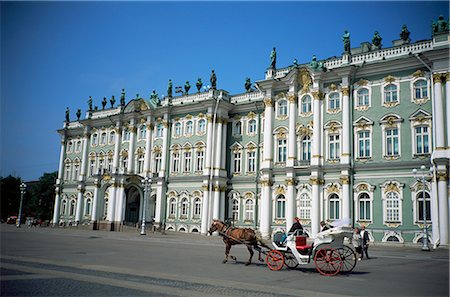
[(105, 208), (177, 129), (103, 138), (306, 104), (420, 89), (390, 93), (363, 97), (420, 205), (249, 210), (334, 101), (142, 131), (78, 146), (280, 207), (159, 130), (72, 208), (126, 134), (88, 207), (392, 207), (365, 213), (305, 206), (197, 208), (282, 108), (252, 126), (334, 207), (184, 208), (69, 146), (235, 210), (305, 152), (112, 137), (189, 128), (238, 128), (172, 207), (202, 126), (63, 207), (94, 139)]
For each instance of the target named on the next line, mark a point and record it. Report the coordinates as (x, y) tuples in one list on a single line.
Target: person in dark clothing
[(296, 228), (325, 226), (365, 242)]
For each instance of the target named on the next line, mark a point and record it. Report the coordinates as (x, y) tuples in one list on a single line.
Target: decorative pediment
[(332, 188), (279, 190), (362, 82), (363, 187), (251, 146), (363, 122), (332, 126), (251, 115), (391, 119), (392, 186), (236, 147), (333, 87), (418, 73), (281, 132), (137, 104), (389, 79), (420, 115)]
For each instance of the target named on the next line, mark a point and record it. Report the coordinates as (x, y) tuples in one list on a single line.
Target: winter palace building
[(326, 140)]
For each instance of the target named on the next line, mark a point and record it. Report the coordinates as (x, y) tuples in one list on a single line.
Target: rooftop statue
[(169, 89), (104, 102), (441, 26), (295, 63), (316, 65), (154, 97), (90, 103), (346, 40), (199, 84), (112, 101), (273, 58), (376, 40), (404, 35), (78, 114), (122, 98), (213, 80), (67, 115), (248, 85), (187, 86)]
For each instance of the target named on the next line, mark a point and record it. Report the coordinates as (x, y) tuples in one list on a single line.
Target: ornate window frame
[(338, 102), (142, 132), (333, 128), (175, 156), (236, 151), (358, 189), (391, 121), (309, 111), (249, 201), (392, 186), (189, 128), (356, 92), (330, 190), (281, 108), (237, 126), (417, 189), (159, 130), (76, 169), (199, 155), (360, 125), (280, 134), (187, 158), (177, 129), (302, 190), (234, 206), (112, 137), (251, 148), (172, 205), (196, 205), (88, 200), (252, 126), (388, 81), (419, 76), (421, 118)]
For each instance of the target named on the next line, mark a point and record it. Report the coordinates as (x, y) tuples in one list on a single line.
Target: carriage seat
[(300, 243)]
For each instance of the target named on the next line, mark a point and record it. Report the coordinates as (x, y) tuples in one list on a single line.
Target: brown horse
[(232, 236)]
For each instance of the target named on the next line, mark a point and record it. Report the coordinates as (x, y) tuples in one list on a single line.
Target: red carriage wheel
[(275, 260), (328, 261)]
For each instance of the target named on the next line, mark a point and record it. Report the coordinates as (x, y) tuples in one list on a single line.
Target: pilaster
[(346, 145), (148, 147), (131, 148), (439, 112), (317, 128), (292, 139), (268, 135)]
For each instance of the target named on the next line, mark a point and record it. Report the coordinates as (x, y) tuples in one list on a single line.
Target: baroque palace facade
[(327, 140)]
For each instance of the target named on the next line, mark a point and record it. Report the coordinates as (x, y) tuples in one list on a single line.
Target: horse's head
[(216, 225)]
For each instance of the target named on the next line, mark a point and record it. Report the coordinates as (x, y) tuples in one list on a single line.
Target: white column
[(317, 133), (131, 154), (205, 210), (83, 169), (208, 157), (291, 209), (447, 98), (224, 145), (345, 155), (56, 207), (160, 203), (120, 203), (268, 136), (439, 110), (94, 216), (148, 147), (112, 202), (79, 205), (443, 205), (216, 210), (315, 206), (292, 138), (434, 212), (162, 172), (62, 154), (218, 147), (266, 208), (345, 181), (117, 147)]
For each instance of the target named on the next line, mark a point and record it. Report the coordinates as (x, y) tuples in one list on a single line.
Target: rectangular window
[(237, 162), (281, 203), (334, 209), (334, 147), (158, 159), (282, 147), (422, 144), (392, 142), (364, 210), (187, 161), (364, 144), (200, 160), (251, 162), (427, 210), (176, 162)]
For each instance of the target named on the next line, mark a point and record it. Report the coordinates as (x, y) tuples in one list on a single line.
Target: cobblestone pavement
[(72, 262)]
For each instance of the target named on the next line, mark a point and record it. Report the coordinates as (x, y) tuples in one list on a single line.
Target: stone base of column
[(107, 226)]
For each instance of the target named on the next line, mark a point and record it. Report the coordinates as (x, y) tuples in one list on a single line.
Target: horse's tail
[(260, 240)]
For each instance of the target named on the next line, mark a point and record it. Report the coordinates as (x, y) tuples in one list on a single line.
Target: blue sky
[(56, 54)]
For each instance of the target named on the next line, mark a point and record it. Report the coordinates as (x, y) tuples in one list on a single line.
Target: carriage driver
[(296, 229)]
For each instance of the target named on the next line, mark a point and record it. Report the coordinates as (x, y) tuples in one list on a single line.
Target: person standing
[(357, 242), (365, 242)]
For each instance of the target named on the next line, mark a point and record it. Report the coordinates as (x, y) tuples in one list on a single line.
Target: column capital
[(165, 123), (345, 91), (266, 183), (447, 76), (149, 126), (205, 187), (437, 77), (290, 181), (317, 95), (345, 180), (442, 176), (268, 102), (315, 181), (292, 98)]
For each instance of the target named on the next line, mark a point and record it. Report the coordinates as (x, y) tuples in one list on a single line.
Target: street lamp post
[(425, 246), (23, 188), (146, 182)]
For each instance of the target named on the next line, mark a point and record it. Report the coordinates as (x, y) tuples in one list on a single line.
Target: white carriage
[(329, 253)]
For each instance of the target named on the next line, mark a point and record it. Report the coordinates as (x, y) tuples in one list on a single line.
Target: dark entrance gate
[(132, 206)]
